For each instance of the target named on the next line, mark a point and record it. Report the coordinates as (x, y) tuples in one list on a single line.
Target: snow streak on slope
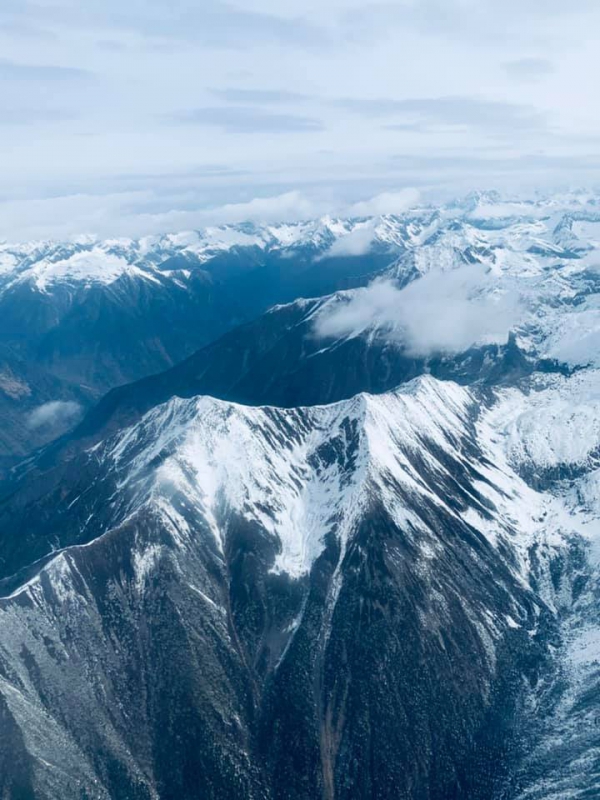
[(274, 468), (304, 474)]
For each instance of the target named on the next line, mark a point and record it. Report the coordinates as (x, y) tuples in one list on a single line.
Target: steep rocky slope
[(245, 602)]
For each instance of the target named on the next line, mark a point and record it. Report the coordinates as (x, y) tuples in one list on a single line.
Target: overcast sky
[(124, 117)]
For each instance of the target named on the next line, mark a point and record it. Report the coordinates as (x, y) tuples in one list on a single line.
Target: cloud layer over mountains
[(164, 110), (441, 312)]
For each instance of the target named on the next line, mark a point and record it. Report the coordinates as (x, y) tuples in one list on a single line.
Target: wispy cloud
[(249, 119), (356, 243), (36, 116), (442, 312), (465, 20), (210, 23), (15, 71), (427, 112), (56, 414), (260, 96), (527, 69), (385, 203), (138, 213)]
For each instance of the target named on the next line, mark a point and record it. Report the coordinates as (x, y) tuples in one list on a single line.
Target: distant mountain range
[(333, 530), (77, 319), (80, 318)]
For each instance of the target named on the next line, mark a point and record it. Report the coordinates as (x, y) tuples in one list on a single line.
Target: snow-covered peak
[(301, 475), (90, 265)]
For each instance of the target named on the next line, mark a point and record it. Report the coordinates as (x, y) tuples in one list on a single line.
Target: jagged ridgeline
[(346, 547)]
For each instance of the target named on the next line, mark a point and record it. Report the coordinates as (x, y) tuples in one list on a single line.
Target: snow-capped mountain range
[(87, 260), (565, 225), (349, 548), (79, 318)]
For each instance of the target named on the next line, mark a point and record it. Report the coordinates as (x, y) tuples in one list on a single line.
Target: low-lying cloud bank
[(441, 312), (57, 413), (356, 243), (359, 241), (385, 203), (141, 213)]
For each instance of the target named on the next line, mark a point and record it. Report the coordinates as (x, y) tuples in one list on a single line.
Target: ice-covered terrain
[(78, 318)]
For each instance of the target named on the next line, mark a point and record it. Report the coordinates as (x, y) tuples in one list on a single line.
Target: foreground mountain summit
[(395, 595), (364, 599), (267, 596)]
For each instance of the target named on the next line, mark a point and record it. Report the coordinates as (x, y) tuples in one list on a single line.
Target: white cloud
[(503, 210), (148, 212), (386, 203), (577, 340), (57, 413), (287, 206), (441, 312), (356, 243), (527, 69), (127, 214)]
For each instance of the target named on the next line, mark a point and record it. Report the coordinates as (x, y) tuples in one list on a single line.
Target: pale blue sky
[(141, 116)]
